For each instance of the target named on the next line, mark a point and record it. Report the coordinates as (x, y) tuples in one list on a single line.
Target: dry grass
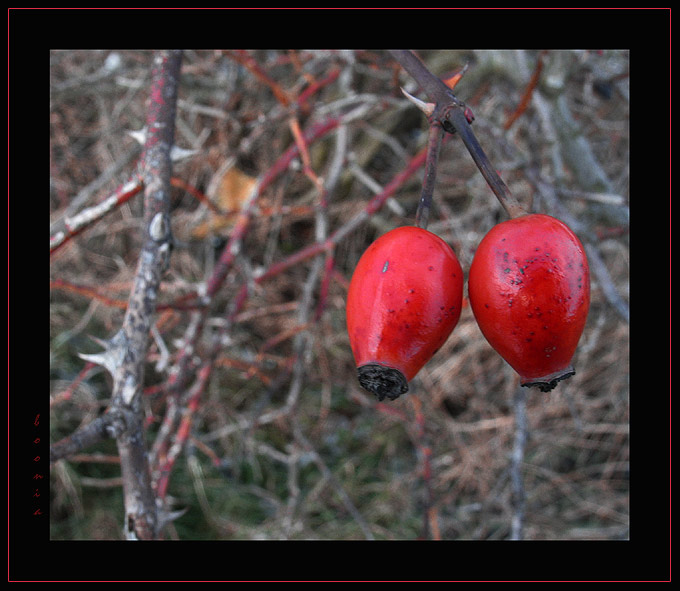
[(284, 444)]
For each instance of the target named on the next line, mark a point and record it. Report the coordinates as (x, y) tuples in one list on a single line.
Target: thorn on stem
[(427, 108), (455, 79), (111, 357)]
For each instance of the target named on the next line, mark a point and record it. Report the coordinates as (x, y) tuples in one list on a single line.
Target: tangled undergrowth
[(282, 441)]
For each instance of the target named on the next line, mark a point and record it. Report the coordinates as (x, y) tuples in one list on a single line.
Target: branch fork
[(444, 110)]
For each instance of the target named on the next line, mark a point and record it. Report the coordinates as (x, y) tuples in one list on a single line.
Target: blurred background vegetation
[(284, 444)]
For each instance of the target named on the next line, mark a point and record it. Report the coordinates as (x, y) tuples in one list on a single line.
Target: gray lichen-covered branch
[(125, 353), (140, 503)]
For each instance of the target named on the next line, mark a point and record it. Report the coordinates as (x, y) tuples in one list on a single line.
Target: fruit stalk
[(433, 147), (459, 121), (452, 115)]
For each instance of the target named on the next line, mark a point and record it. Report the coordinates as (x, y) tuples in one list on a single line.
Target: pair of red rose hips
[(528, 286)]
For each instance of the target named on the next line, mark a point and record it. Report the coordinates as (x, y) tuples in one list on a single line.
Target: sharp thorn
[(427, 108)]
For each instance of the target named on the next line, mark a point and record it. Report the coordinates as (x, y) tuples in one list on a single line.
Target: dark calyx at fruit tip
[(383, 381), (547, 383)]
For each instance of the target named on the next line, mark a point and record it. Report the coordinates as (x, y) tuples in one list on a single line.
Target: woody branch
[(125, 353), (140, 505)]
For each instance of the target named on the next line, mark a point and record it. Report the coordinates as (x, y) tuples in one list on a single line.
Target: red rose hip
[(403, 302), (529, 289)]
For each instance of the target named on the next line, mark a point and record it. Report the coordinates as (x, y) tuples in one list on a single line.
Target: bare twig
[(516, 462), (433, 145), (71, 226), (103, 427), (453, 115), (528, 93)]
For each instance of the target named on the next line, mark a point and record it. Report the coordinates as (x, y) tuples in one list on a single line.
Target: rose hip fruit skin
[(529, 289), (404, 300)]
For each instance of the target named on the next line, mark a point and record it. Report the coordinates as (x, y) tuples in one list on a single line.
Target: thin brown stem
[(459, 121), (433, 146)]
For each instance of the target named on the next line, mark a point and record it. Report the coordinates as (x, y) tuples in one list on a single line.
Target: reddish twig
[(183, 430), (529, 91), (198, 195), (243, 221), (68, 392), (88, 292), (249, 62), (304, 154), (71, 226), (179, 378), (314, 87), (374, 205)]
